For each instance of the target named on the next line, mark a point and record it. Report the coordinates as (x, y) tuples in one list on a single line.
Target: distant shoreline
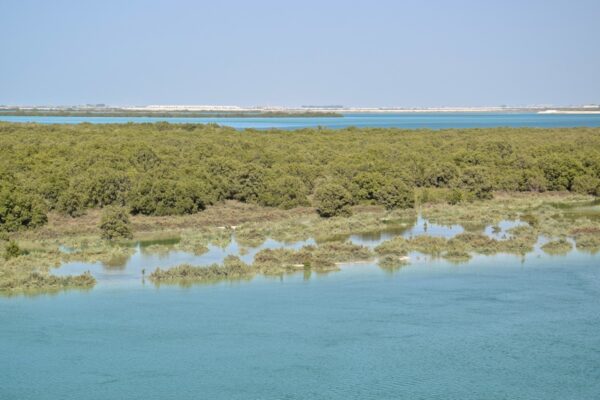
[(166, 114), (194, 111), (576, 112)]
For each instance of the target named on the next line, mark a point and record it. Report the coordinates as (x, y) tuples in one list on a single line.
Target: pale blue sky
[(355, 53)]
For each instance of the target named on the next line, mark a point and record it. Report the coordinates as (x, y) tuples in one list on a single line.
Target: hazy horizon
[(293, 107), (388, 54)]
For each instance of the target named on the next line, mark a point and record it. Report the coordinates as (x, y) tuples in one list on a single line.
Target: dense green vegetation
[(162, 169), (115, 224)]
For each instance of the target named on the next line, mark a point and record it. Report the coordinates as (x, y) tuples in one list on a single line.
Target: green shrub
[(145, 159), (284, 192), (366, 185), (533, 180), (442, 174), (166, 197), (115, 224), (248, 183), (72, 203), (20, 211), (103, 187), (586, 184), (476, 180), (456, 196), (332, 200), (395, 194), (12, 250), (560, 170)]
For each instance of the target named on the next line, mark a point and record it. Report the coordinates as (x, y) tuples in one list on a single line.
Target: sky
[(292, 53)]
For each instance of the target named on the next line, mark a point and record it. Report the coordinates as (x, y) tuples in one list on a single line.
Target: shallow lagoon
[(497, 327), (130, 269)]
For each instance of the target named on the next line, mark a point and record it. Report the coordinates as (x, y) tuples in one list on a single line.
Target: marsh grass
[(30, 273), (319, 259), (251, 225), (560, 246), (460, 247), (392, 262), (231, 269), (588, 240)]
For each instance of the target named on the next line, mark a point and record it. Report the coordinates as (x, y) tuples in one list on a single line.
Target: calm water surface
[(406, 120), (499, 327)]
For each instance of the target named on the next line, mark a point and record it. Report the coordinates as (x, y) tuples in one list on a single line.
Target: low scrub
[(232, 268), (560, 246), (41, 282)]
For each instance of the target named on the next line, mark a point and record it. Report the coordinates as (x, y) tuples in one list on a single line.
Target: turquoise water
[(407, 120), (497, 327)]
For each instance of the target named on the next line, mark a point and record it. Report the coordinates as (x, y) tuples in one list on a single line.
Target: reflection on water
[(170, 241), (420, 227), (501, 231), (128, 268), (589, 210), (150, 254), (576, 205)]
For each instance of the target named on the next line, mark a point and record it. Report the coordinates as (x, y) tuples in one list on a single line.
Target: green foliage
[(560, 170), (367, 185), (533, 180), (12, 250), (52, 188), (106, 187), (285, 192), (114, 224), (166, 169), (232, 268), (441, 174), (71, 202), (166, 197), (332, 200), (457, 196), (586, 184), (145, 159), (37, 282), (19, 210), (248, 183), (476, 180), (395, 194)]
